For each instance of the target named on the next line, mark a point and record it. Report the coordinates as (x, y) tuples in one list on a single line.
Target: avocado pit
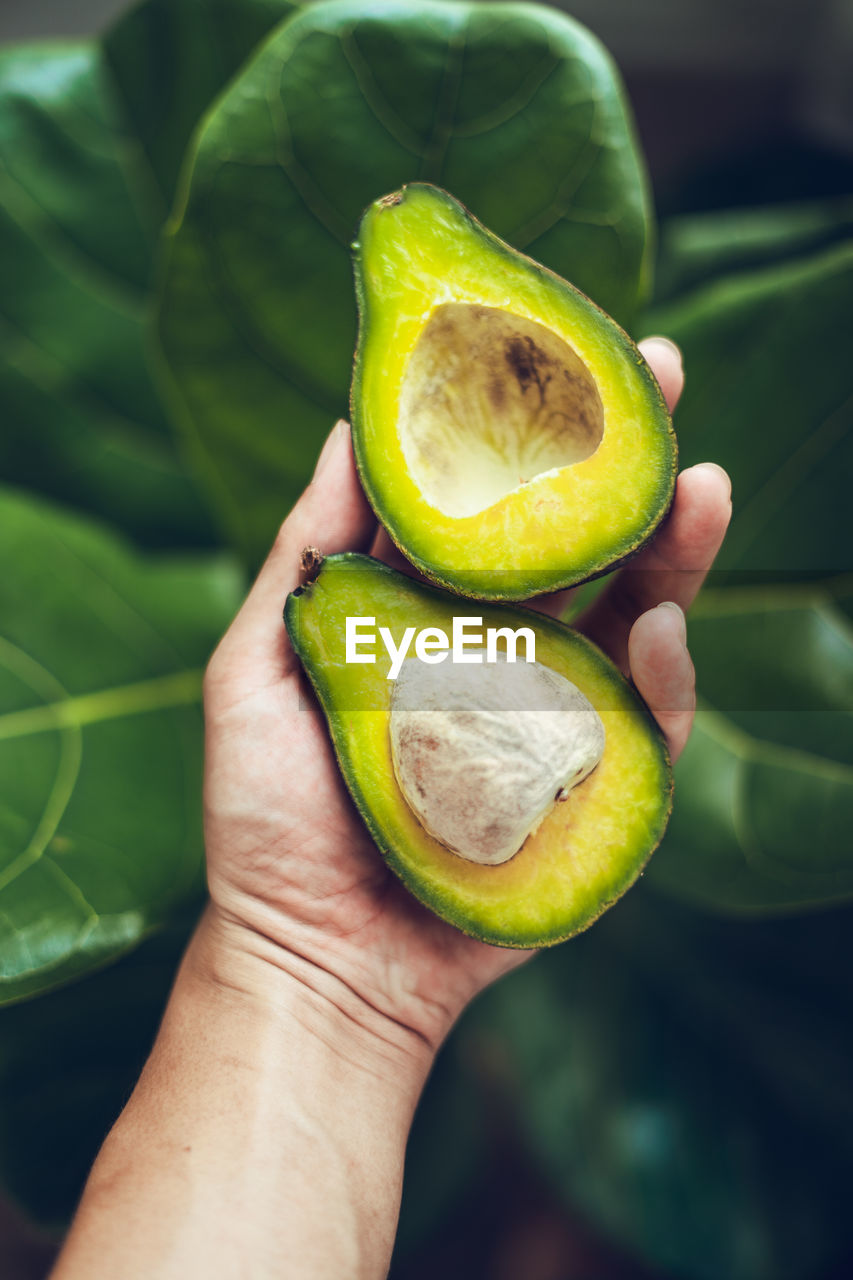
[(483, 752)]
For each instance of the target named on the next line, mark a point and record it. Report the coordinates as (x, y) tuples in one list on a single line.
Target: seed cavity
[(490, 401)]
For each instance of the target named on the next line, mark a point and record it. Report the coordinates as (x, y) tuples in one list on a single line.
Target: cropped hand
[(268, 1129), (293, 873)]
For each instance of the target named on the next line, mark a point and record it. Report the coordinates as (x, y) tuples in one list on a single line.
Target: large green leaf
[(764, 791), (88, 150), (81, 418), (513, 108), (686, 1082), (769, 394), (101, 655), (698, 247), (170, 58)]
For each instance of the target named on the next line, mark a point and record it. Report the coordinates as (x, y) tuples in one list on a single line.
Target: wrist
[(269, 1124), (278, 992)]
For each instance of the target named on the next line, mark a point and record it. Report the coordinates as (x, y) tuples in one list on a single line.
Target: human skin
[(266, 1135)]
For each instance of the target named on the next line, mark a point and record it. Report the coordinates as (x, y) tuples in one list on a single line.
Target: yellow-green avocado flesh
[(587, 851), (508, 433)]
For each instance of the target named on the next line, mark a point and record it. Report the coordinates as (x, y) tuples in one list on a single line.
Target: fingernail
[(667, 343), (715, 466), (328, 448), (670, 604)]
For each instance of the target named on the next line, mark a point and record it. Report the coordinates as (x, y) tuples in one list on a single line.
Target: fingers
[(332, 515), (554, 605), (664, 359), (672, 567), (663, 672), (389, 553)]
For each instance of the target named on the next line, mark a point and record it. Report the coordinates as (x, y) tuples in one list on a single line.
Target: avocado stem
[(311, 564)]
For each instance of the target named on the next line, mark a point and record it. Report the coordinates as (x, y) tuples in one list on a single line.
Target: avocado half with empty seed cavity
[(509, 435), (453, 775)]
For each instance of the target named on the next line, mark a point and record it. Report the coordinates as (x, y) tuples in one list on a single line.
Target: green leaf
[(170, 58), (101, 657), (89, 143), (764, 791), (699, 247), (768, 395), (81, 418), (685, 1082), (513, 108)]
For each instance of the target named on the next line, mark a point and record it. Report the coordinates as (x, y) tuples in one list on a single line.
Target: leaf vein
[(747, 748), (182, 688), (518, 102), (435, 152), (315, 202), (790, 472), (61, 248), (377, 103)]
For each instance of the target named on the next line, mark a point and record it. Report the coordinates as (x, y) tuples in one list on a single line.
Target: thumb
[(332, 515)]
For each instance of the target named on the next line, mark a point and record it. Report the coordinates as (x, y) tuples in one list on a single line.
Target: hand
[(294, 877), (309, 1005)]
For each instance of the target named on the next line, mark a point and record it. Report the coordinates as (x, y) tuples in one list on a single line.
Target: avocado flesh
[(508, 433), (587, 851)]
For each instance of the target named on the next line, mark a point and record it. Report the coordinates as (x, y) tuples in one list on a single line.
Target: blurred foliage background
[(670, 1094)]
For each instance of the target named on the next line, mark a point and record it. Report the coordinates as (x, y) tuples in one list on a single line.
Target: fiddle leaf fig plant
[(769, 398), (91, 135), (81, 419), (167, 60), (765, 786), (101, 659), (177, 201)]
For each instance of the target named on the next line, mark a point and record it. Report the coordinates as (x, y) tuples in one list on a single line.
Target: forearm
[(265, 1137)]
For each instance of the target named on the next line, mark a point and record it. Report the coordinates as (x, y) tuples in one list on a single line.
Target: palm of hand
[(288, 855)]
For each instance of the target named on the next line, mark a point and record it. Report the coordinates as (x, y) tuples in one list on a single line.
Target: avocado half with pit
[(591, 838), (509, 435)]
